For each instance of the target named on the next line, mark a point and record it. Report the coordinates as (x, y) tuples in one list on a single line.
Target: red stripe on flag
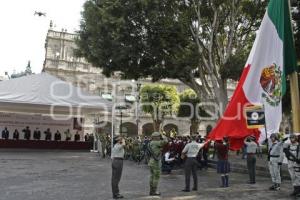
[(233, 122)]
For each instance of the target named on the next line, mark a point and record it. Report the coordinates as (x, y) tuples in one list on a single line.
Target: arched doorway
[(170, 127), (129, 129), (148, 129)]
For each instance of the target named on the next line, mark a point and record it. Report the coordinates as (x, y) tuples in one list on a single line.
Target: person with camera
[(292, 152), (251, 148), (117, 156)]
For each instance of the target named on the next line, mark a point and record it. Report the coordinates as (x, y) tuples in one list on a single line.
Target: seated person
[(168, 161)]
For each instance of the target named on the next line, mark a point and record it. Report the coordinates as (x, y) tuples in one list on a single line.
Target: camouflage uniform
[(135, 150), (102, 137), (292, 152), (155, 148)]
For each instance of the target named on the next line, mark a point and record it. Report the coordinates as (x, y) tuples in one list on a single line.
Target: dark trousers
[(117, 167), (190, 167), (251, 164)]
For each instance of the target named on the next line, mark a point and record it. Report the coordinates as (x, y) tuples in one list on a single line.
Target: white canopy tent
[(46, 94)]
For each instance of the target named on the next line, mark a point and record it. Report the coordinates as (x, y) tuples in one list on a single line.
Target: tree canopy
[(159, 100), (190, 107), (200, 42)]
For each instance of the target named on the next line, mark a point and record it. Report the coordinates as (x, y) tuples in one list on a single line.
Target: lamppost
[(121, 108), (138, 88)]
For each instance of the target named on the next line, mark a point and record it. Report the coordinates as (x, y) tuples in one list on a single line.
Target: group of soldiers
[(135, 148)]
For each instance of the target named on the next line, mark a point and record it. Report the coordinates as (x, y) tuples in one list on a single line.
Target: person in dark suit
[(16, 135), (48, 134), (27, 133), (5, 133), (77, 137), (57, 136), (37, 134)]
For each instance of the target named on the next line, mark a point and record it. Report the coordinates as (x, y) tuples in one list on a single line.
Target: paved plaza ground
[(63, 175)]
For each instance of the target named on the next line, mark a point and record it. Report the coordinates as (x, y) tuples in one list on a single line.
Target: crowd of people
[(135, 149), (163, 154), (37, 135)]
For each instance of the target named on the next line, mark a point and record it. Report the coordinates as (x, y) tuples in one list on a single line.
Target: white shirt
[(118, 151), (192, 149), (167, 159)]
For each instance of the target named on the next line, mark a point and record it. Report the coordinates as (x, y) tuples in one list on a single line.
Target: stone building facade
[(61, 62)]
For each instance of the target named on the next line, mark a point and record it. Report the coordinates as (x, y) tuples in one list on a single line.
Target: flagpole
[(294, 87)]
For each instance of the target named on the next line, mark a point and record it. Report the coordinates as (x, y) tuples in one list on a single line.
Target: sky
[(23, 34)]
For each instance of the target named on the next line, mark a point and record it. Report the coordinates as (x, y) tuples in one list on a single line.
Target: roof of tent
[(39, 93)]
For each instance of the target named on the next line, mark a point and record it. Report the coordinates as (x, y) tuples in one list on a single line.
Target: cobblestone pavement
[(60, 175)]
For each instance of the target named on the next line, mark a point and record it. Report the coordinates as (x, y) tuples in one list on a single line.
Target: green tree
[(191, 40), (159, 101), (189, 107)]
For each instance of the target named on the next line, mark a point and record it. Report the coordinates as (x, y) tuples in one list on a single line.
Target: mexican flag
[(263, 81)]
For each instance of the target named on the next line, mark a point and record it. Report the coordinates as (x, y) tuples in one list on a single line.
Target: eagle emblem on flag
[(270, 82)]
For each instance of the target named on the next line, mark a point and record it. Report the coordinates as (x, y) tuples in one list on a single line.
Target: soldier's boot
[(272, 187), (277, 187), (153, 192)]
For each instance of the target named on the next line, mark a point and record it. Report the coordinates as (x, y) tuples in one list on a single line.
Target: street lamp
[(138, 88), (121, 108)]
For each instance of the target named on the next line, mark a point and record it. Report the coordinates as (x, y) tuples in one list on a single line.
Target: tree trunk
[(194, 127), (157, 125)]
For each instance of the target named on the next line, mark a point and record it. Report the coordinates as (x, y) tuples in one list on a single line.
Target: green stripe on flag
[(279, 13)]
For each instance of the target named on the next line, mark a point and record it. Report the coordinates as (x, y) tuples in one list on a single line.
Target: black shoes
[(185, 190), (275, 187), (154, 194), (118, 197)]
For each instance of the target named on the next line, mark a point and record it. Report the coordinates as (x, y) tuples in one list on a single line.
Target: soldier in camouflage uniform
[(292, 152), (102, 137), (155, 147), (135, 149)]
